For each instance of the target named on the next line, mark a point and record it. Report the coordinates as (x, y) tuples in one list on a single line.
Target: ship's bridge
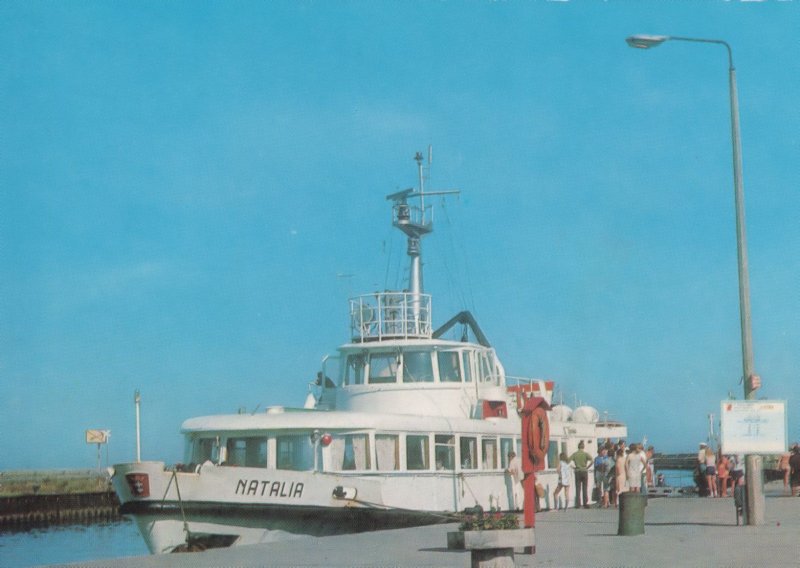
[(433, 377)]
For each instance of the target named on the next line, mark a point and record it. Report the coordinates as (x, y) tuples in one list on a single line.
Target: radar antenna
[(415, 221)]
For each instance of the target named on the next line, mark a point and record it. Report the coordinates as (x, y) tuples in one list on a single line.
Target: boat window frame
[(397, 454), (404, 366), (246, 462), (426, 466), (363, 356), (388, 355), (507, 444), (473, 455), (468, 368), (490, 440), (458, 364), (214, 450), (344, 438), (304, 438), (446, 448)]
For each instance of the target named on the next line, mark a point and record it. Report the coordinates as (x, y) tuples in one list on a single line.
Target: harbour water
[(73, 543)]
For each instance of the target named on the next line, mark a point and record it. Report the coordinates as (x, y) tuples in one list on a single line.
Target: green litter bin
[(631, 513)]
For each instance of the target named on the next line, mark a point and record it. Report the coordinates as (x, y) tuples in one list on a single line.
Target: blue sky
[(183, 184)]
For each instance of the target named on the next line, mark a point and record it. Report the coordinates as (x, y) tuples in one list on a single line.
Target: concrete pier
[(678, 532)]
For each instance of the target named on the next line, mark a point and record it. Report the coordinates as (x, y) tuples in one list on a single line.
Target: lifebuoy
[(539, 437)]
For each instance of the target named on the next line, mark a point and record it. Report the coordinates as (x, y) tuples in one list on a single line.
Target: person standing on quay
[(722, 475), (564, 473), (794, 464), (582, 461), (785, 468), (619, 471), (711, 472), (635, 464), (514, 470), (602, 467)]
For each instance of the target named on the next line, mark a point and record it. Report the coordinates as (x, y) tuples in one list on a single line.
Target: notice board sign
[(97, 436), (753, 426)]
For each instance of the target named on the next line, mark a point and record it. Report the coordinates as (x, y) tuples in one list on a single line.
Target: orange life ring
[(539, 437)]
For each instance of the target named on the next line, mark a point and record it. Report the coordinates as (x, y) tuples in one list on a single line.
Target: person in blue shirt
[(602, 469)]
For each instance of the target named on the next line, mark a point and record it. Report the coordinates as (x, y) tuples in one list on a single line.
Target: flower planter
[(493, 548)]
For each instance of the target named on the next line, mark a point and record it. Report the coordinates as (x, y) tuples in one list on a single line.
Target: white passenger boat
[(404, 427)]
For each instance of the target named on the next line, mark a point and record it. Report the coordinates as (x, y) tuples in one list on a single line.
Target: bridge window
[(383, 368), (354, 369), (249, 452), (445, 451), (467, 367), (417, 367), (449, 370), (417, 453), (487, 370), (387, 452)]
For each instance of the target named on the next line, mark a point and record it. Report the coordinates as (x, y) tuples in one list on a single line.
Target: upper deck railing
[(390, 315)]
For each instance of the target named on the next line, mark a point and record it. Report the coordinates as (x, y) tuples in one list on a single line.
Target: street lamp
[(755, 496)]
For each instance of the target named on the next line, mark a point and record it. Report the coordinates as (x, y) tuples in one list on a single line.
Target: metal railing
[(390, 315)]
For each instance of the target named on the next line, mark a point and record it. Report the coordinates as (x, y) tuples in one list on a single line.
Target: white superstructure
[(403, 427)]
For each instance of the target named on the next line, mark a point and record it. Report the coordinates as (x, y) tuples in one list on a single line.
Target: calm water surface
[(74, 543)]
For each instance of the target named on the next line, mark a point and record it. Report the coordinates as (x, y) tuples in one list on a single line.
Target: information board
[(753, 426), (97, 436)]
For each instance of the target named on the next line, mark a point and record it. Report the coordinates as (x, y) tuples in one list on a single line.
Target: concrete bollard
[(631, 513)]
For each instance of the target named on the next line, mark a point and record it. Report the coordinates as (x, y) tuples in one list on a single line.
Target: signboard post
[(98, 437)]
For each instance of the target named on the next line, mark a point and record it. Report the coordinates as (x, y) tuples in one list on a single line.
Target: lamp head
[(646, 41)]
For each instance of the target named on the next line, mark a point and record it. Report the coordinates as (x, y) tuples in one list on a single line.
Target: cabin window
[(417, 367), (552, 453), (469, 453), (489, 448), (445, 451), (383, 368), (205, 449), (249, 452), (354, 369), (417, 453), (506, 446), (387, 452), (294, 452), (449, 371), (350, 452)]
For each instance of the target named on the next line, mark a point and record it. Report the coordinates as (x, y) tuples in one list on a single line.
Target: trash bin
[(631, 513)]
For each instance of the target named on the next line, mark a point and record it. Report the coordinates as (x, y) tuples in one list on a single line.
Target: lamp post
[(755, 494)]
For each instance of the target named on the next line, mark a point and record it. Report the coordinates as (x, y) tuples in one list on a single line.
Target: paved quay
[(678, 532)]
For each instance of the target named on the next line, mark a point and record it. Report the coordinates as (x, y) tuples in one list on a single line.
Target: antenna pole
[(137, 399)]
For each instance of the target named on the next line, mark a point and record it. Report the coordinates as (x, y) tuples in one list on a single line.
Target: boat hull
[(225, 506)]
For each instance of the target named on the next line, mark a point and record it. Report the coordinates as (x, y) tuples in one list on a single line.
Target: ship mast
[(415, 221)]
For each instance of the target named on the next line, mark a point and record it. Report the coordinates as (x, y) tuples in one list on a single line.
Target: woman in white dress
[(635, 464)]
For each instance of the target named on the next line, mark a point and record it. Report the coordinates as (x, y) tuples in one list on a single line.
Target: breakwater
[(31, 499)]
